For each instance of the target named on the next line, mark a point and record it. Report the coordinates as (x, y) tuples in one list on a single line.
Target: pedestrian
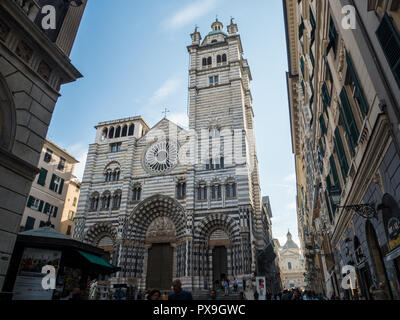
[(241, 296), (178, 293), (256, 295), (226, 285), (213, 295), (235, 284), (139, 296), (378, 293), (154, 295)]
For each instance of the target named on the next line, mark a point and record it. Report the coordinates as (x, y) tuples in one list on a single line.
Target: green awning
[(96, 260)]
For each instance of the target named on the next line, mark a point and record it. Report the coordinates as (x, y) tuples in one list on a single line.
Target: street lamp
[(366, 211)]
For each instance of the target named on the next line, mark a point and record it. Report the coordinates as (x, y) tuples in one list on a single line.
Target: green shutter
[(31, 200), (46, 208), (61, 186), (41, 205), (42, 177), (335, 175), (323, 125), (329, 208), (360, 93), (53, 177), (344, 166), (55, 212), (348, 117), (321, 148), (325, 95), (389, 39)]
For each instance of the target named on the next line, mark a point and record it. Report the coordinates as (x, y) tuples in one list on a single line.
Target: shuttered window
[(302, 65), (42, 177), (349, 121), (333, 35), (334, 172), (323, 125), (329, 207), (359, 93), (390, 41), (344, 166), (325, 95)]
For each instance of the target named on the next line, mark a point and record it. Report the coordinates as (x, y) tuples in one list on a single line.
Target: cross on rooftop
[(165, 112)]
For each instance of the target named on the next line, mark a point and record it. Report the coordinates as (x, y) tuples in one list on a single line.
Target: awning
[(97, 260)]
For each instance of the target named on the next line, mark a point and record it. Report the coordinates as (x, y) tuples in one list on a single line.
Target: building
[(48, 194), (268, 259), (165, 211), (291, 265), (344, 93), (70, 207), (34, 64)]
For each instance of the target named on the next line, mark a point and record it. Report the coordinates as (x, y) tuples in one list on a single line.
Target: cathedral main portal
[(159, 267)]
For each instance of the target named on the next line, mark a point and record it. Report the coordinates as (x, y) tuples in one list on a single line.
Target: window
[(105, 201), (30, 223), (48, 155), (94, 201), (344, 166), (211, 80), (224, 57), (71, 215), (61, 164), (355, 87), (50, 210), (204, 62), (216, 192), (290, 267), (116, 147), (230, 190), (111, 133), (349, 122), (115, 175), (136, 193), (117, 200), (219, 59), (209, 61), (104, 134), (202, 193), (181, 190), (333, 37), (42, 177), (216, 80), (124, 131), (323, 125), (118, 132), (56, 184), (74, 202), (325, 95), (389, 39), (69, 230), (131, 130)]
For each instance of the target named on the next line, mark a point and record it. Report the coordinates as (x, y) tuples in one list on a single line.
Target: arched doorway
[(377, 257), (155, 244), (160, 236), (219, 244)]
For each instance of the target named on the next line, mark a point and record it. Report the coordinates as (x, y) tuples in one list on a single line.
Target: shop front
[(76, 266)]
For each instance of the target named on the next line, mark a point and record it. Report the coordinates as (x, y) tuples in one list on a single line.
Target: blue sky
[(134, 60)]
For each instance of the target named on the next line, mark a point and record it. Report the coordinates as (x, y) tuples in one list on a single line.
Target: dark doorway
[(220, 264), (159, 267), (365, 281)]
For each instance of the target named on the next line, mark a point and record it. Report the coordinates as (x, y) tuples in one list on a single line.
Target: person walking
[(235, 284), (178, 293), (226, 286)]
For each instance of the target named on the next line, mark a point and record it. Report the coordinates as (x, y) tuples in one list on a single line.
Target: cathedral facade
[(172, 203)]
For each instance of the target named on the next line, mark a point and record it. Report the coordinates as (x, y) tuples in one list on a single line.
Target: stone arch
[(218, 222), (99, 231), (149, 210), (7, 116)]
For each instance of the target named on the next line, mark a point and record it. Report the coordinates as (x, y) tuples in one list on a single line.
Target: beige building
[(291, 264), (34, 64), (70, 207), (53, 193), (344, 93)]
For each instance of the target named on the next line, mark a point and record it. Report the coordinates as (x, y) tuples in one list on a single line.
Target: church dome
[(290, 244)]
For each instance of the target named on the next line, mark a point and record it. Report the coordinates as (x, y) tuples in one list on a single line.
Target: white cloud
[(180, 119), (169, 87), (290, 178), (291, 206), (79, 151), (191, 12)]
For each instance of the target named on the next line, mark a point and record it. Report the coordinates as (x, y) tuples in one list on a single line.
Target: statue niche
[(161, 230)]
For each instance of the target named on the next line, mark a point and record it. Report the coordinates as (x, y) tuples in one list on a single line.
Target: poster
[(261, 289), (28, 284)]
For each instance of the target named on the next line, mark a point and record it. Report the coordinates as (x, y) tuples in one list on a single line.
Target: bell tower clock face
[(161, 157)]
